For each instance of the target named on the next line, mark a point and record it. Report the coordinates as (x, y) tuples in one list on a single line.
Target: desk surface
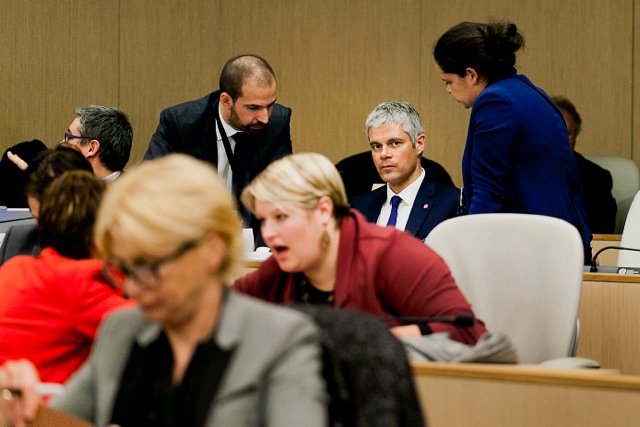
[(611, 277), (601, 378), (453, 395)]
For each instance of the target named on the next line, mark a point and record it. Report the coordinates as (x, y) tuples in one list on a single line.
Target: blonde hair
[(299, 180), (164, 203)]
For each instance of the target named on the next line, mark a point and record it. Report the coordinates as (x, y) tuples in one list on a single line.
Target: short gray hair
[(399, 112), (111, 128)]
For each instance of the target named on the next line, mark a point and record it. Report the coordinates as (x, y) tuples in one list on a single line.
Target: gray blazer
[(272, 379)]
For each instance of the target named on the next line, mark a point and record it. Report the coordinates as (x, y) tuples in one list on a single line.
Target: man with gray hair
[(104, 137), (409, 201)]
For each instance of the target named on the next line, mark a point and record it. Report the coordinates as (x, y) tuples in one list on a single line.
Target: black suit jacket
[(434, 203), (599, 202), (359, 173), (190, 128)]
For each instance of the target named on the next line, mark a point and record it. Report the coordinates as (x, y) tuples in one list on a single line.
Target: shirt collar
[(111, 177), (409, 194)]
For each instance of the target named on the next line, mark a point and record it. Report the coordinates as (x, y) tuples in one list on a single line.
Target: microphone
[(459, 320), (594, 266)]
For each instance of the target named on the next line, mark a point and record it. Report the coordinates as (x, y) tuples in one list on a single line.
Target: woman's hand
[(406, 331), (18, 396)]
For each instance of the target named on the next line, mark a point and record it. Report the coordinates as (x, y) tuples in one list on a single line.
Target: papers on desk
[(614, 270)]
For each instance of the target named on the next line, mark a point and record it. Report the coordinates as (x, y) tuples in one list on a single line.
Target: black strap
[(225, 141), (240, 177)]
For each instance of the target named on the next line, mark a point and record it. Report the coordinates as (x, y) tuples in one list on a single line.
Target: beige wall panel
[(635, 150), (167, 56), (334, 61), (580, 49), (56, 56)]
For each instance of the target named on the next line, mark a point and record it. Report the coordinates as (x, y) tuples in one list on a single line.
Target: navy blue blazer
[(434, 203), (517, 158)]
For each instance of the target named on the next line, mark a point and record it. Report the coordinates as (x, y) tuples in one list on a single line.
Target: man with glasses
[(104, 137)]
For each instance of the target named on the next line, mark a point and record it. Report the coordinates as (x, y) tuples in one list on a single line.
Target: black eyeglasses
[(146, 274)]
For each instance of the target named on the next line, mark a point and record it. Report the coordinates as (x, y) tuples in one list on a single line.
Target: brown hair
[(68, 213)]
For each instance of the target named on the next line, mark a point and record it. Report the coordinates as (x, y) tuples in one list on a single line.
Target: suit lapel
[(379, 196), (209, 139), (422, 207)]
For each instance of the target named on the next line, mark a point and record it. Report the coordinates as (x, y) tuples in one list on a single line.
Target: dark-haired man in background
[(239, 128), (596, 181)]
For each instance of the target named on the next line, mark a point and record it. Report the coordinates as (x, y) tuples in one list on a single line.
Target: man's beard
[(234, 120)]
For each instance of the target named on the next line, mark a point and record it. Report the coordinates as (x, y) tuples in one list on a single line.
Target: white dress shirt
[(224, 168), (408, 196)]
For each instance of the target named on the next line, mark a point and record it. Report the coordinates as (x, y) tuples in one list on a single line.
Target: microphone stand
[(594, 266)]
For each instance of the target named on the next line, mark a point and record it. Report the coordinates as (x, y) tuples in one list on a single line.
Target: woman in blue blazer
[(517, 157)]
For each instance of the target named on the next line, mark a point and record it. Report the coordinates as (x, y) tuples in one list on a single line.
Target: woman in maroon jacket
[(325, 253)]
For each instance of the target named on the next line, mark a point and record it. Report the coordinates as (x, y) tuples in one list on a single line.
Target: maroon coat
[(381, 271)]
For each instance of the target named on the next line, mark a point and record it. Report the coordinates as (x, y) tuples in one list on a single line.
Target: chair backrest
[(631, 236), (522, 275), (366, 370), (626, 183)]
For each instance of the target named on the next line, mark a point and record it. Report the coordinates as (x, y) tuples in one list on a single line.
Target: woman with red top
[(323, 252), (51, 305)]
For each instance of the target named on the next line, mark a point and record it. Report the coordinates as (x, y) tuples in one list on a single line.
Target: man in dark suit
[(239, 128), (396, 137), (596, 181), (360, 175)]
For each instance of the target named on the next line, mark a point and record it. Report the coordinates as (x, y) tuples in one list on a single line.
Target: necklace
[(308, 294)]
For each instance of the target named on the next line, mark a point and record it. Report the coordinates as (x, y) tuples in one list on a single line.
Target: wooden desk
[(517, 395), (48, 417), (610, 321), (599, 241)]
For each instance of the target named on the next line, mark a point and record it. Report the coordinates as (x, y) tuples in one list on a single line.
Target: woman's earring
[(324, 239)]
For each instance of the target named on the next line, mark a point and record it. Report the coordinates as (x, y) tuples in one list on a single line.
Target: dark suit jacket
[(441, 203), (13, 178), (359, 173), (20, 240), (601, 206), (190, 128)]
